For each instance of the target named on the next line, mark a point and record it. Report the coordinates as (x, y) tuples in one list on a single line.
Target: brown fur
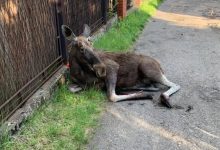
[(131, 69)]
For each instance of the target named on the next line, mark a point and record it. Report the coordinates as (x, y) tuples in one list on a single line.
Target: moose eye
[(82, 50)]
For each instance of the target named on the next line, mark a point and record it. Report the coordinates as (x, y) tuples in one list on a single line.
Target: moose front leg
[(111, 80)]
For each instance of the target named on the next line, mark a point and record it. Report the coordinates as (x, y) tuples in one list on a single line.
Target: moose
[(110, 70)]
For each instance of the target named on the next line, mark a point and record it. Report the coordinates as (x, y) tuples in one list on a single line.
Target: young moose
[(113, 70)]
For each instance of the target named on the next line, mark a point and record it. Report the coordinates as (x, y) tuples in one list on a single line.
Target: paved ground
[(185, 37)]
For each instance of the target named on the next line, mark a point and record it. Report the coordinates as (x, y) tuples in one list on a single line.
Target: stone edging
[(43, 94)]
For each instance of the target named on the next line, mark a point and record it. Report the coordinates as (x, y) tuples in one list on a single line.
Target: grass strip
[(123, 34)]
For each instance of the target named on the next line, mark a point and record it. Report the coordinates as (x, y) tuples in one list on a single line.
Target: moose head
[(81, 49)]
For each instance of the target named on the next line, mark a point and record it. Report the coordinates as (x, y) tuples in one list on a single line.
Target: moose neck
[(92, 59)]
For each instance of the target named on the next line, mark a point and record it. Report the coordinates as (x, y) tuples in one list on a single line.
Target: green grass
[(124, 33), (68, 120)]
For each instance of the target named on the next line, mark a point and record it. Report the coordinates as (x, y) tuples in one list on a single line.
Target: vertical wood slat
[(27, 45), (77, 13)]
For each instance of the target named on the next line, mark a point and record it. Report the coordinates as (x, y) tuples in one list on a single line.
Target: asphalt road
[(185, 37)]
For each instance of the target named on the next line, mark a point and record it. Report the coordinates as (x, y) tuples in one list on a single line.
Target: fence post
[(122, 8), (59, 22), (104, 11)]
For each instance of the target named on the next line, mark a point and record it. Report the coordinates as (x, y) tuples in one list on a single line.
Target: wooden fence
[(31, 46)]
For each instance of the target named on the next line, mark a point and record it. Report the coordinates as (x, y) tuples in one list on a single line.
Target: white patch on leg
[(173, 87), (116, 98)]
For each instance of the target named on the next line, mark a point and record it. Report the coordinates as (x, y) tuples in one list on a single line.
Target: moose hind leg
[(150, 88), (173, 87), (111, 80)]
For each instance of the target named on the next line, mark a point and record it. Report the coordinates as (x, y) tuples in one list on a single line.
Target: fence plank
[(27, 45)]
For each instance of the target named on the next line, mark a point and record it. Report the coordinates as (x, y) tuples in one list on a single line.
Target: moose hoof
[(164, 99), (74, 88)]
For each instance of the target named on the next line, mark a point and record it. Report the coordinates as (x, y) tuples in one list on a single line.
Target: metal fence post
[(104, 11), (61, 39)]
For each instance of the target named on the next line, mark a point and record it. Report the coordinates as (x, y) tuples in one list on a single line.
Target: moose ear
[(86, 31), (68, 33), (100, 70)]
